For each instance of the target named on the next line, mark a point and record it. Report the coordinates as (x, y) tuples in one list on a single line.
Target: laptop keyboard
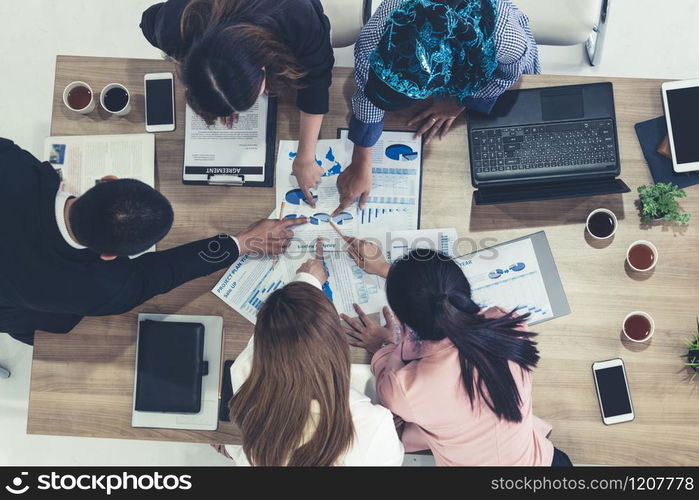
[(543, 150)]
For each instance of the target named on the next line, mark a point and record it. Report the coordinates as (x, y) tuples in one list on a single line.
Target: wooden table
[(82, 383)]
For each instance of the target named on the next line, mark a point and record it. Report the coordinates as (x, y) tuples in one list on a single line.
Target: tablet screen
[(683, 105)]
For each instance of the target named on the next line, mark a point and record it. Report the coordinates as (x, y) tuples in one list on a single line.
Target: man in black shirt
[(63, 258)]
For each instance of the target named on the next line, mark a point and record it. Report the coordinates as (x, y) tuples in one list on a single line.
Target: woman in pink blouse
[(458, 377)]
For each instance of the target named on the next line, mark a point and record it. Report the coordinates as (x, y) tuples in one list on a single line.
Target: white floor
[(645, 39)]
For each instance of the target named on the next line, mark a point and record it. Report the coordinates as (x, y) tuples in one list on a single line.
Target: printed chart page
[(510, 279), (247, 283), (219, 150), (82, 160), (402, 242), (394, 203)]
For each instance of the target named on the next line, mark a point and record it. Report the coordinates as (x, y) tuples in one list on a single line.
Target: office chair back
[(347, 18), (561, 22)]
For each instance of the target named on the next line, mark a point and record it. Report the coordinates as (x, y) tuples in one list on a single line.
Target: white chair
[(347, 18), (4, 373), (568, 22)]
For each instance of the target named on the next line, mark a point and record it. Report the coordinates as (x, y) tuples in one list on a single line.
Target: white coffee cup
[(123, 111), (604, 211), (90, 106), (649, 245), (645, 315)]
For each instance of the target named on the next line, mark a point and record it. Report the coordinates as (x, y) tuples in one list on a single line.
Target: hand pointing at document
[(368, 256), (354, 183), (268, 236)]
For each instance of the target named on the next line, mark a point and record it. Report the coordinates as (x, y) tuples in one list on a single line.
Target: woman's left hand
[(438, 118), (369, 335)]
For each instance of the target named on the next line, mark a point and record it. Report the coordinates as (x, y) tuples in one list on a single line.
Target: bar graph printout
[(511, 280), (394, 203), (247, 283)]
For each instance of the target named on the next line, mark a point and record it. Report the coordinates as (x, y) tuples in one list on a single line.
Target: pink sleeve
[(385, 365)]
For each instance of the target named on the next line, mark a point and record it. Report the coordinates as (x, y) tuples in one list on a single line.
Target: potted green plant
[(693, 352), (659, 201)]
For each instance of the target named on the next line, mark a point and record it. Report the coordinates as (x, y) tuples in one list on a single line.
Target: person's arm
[(132, 282), (385, 364), (366, 124), (307, 172), (355, 181), (309, 34), (313, 271)]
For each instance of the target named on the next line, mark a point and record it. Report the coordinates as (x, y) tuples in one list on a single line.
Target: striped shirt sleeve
[(516, 52)]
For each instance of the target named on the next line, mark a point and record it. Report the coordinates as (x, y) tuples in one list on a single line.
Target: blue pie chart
[(295, 197), (400, 152)]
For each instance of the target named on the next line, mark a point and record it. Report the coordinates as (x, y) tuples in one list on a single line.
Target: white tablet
[(681, 101)]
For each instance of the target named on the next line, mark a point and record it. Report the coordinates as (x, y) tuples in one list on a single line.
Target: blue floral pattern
[(437, 48)]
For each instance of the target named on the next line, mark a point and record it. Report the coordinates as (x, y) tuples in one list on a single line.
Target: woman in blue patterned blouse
[(460, 54)]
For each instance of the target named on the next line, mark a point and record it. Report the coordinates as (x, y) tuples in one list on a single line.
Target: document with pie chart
[(394, 203)]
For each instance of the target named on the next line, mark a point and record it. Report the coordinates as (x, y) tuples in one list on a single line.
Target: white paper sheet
[(247, 283), (511, 280), (218, 150), (440, 240), (84, 159)]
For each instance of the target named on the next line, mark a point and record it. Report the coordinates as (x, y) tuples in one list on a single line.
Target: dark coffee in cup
[(116, 99), (601, 224)]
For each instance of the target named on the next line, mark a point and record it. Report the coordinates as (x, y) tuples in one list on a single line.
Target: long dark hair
[(429, 293), (230, 50)]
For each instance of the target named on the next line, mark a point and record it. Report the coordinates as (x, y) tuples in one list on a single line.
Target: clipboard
[(421, 169), (223, 175), (549, 272)]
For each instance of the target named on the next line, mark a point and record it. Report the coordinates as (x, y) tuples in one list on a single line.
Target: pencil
[(281, 217), (281, 210)]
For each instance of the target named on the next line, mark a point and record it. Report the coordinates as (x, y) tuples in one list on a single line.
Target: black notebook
[(170, 367), (650, 134)]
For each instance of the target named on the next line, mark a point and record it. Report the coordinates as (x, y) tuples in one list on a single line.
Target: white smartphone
[(613, 391), (160, 102), (681, 101)]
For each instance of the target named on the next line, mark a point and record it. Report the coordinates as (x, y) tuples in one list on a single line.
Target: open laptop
[(546, 143)]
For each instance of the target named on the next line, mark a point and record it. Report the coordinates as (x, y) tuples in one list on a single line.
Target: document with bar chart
[(519, 274), (247, 283), (394, 203), (251, 280)]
